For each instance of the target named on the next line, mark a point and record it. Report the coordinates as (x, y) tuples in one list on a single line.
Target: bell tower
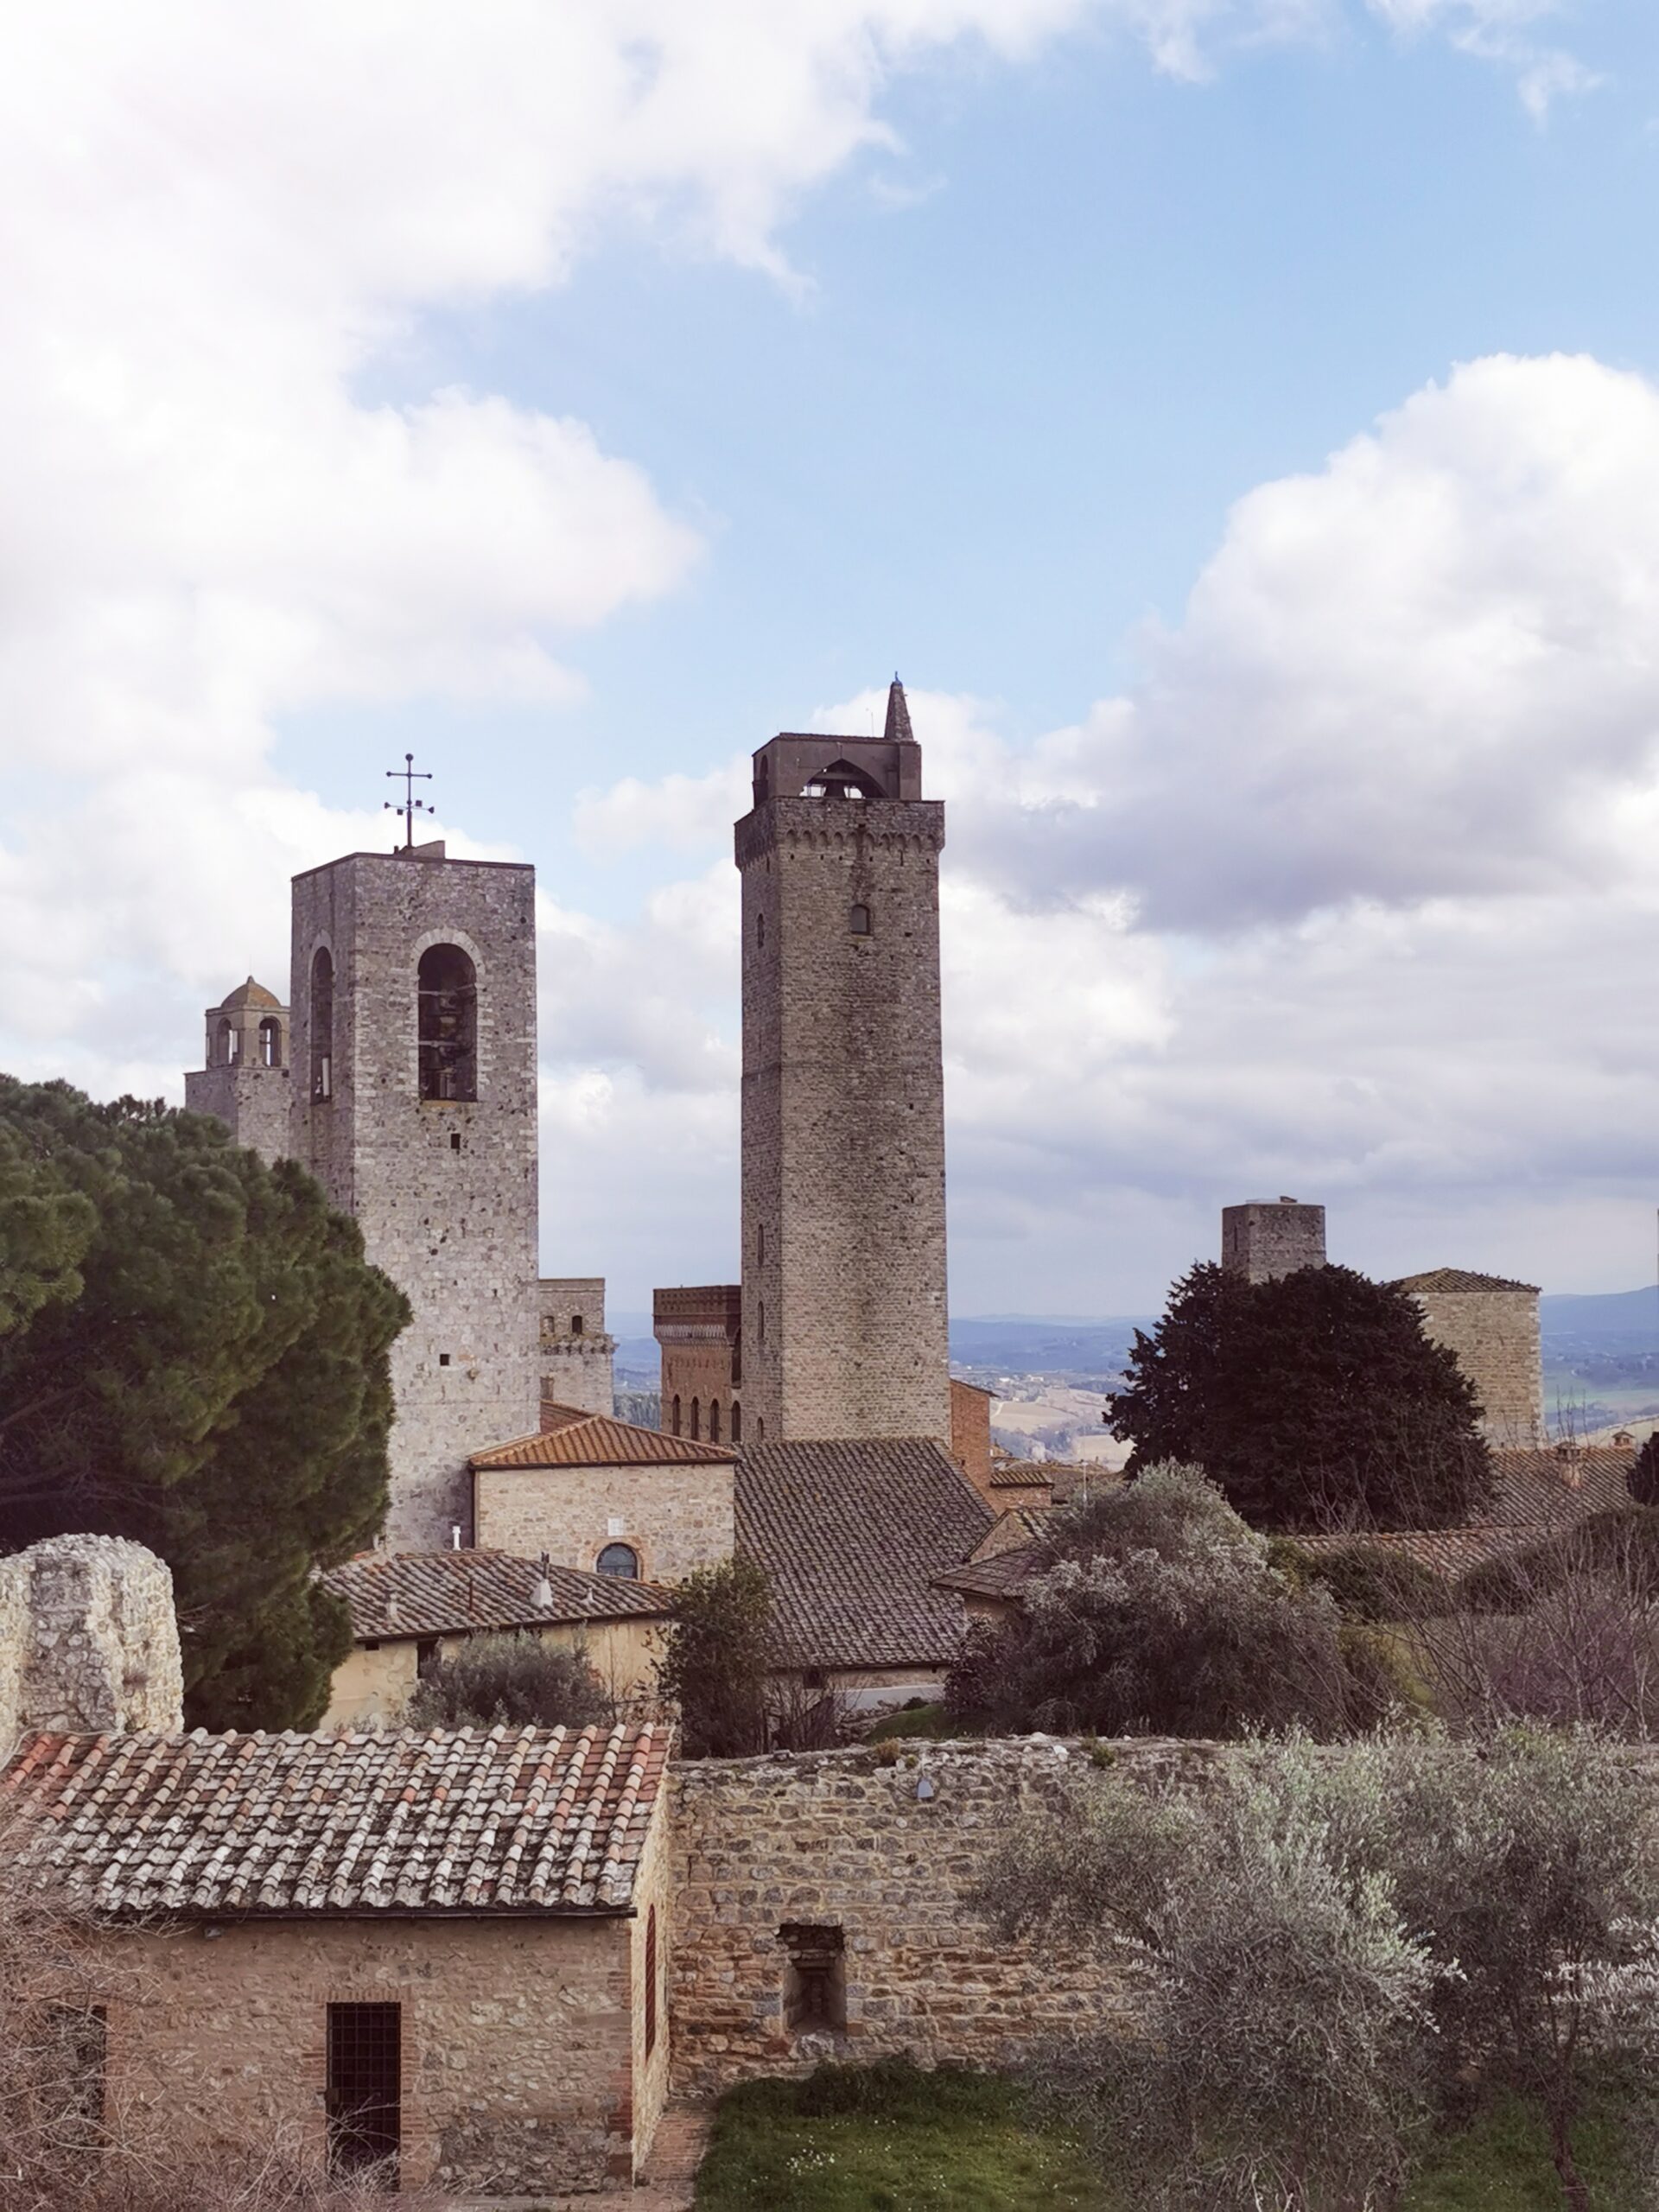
[(843, 1267), (414, 1076)]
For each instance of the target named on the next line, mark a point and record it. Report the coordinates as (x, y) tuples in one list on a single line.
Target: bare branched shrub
[(802, 1719)]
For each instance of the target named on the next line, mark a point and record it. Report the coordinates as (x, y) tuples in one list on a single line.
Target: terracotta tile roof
[(1447, 1552), (1459, 1279), (579, 1440), (529, 1820), (852, 1535), (1022, 1474), (996, 1574), (1551, 1486), (423, 1593)]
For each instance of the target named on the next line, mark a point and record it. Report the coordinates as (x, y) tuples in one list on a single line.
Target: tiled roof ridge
[(1467, 1279), (436, 1591), (601, 1439)]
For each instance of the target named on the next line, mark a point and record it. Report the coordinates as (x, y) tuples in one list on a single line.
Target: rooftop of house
[(852, 1535), (570, 1438), (393, 1594), (460, 1821), (1461, 1278)]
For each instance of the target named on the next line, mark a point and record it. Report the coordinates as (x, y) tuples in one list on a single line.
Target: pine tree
[(198, 1359), (1314, 1399)]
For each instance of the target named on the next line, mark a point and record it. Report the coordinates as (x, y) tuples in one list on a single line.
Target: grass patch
[(1501, 2163), (891, 2138), (931, 1721), (887, 2138)]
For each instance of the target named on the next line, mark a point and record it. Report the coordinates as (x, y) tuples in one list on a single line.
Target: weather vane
[(410, 805)]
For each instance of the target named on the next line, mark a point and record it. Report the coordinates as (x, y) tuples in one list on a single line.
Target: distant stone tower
[(578, 1353), (246, 1082), (1260, 1242), (843, 1266), (699, 1329), (414, 998), (1491, 1323)]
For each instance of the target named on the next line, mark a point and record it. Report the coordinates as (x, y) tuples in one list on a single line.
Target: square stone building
[(440, 1955)]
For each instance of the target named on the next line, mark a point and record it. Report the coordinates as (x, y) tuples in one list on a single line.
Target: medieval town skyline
[(1282, 647)]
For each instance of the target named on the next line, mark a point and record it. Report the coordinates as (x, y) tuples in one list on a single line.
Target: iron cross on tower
[(410, 806)]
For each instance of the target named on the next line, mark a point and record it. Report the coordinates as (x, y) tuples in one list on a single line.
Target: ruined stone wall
[(1260, 1242), (88, 1638), (1495, 1334), (885, 1854), (677, 1518), (443, 1190), (516, 2066), (578, 1357), (843, 1271), (254, 1103)]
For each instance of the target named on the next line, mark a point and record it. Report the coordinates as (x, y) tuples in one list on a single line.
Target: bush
[(516, 1680), (1375, 1582), (1621, 1542), (1158, 1613), (717, 1663)]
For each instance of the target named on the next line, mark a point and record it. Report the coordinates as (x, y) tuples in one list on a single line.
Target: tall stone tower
[(244, 1080), (414, 1053), (1260, 1242), (843, 1288)]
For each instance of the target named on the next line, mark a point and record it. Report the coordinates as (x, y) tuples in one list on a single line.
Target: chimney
[(542, 1596)]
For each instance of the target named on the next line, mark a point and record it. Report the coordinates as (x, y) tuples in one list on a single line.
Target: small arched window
[(860, 923), (677, 1412), (760, 1245), (225, 1045), (270, 1042), (322, 1023), (737, 1422), (713, 1420), (759, 929), (621, 1560), (575, 1324), (696, 1417), (760, 1322), (448, 1023)]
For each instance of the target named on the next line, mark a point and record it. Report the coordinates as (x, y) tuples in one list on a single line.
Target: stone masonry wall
[(578, 1363), (517, 2066), (676, 1518), (1260, 1242), (1495, 1334), (254, 1103), (843, 1121), (885, 1854), (88, 1638), (444, 1191)]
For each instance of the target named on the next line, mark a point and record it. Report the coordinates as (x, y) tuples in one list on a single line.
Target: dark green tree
[(1643, 1478), (715, 1666), (199, 1360), (1313, 1401)]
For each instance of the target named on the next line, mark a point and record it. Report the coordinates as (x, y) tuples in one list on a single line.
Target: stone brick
[(88, 1638), (1495, 1334), (1260, 1242), (676, 1518)]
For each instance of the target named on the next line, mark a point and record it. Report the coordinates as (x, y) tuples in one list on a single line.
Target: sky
[(1236, 420)]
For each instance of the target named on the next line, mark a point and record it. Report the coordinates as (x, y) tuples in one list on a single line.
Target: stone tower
[(1260, 1242), (245, 1080), (843, 1265), (414, 1044), (1491, 1323)]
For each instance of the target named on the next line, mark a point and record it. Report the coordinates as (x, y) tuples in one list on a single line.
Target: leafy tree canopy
[(193, 1353), (1313, 1401), (516, 1680), (715, 1666)]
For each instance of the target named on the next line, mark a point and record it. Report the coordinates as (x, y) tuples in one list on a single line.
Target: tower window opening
[(841, 780), (448, 1024), (454, 1140), (737, 1422), (759, 929), (677, 1412), (620, 1560), (322, 1023), (860, 922), (225, 1041), (270, 1042), (761, 1430), (575, 1324), (696, 1417), (760, 1322), (713, 1420), (737, 1359)]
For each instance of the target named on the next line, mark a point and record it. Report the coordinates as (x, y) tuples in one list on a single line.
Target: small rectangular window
[(454, 1140), (861, 921), (443, 1359), (815, 1977)]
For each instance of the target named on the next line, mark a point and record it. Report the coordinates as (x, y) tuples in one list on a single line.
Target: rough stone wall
[(88, 1638), (676, 1518), (518, 2076), (885, 1854), (254, 1103), (842, 1118), (443, 1190), (1495, 1334), (1260, 1242), (578, 1363)]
